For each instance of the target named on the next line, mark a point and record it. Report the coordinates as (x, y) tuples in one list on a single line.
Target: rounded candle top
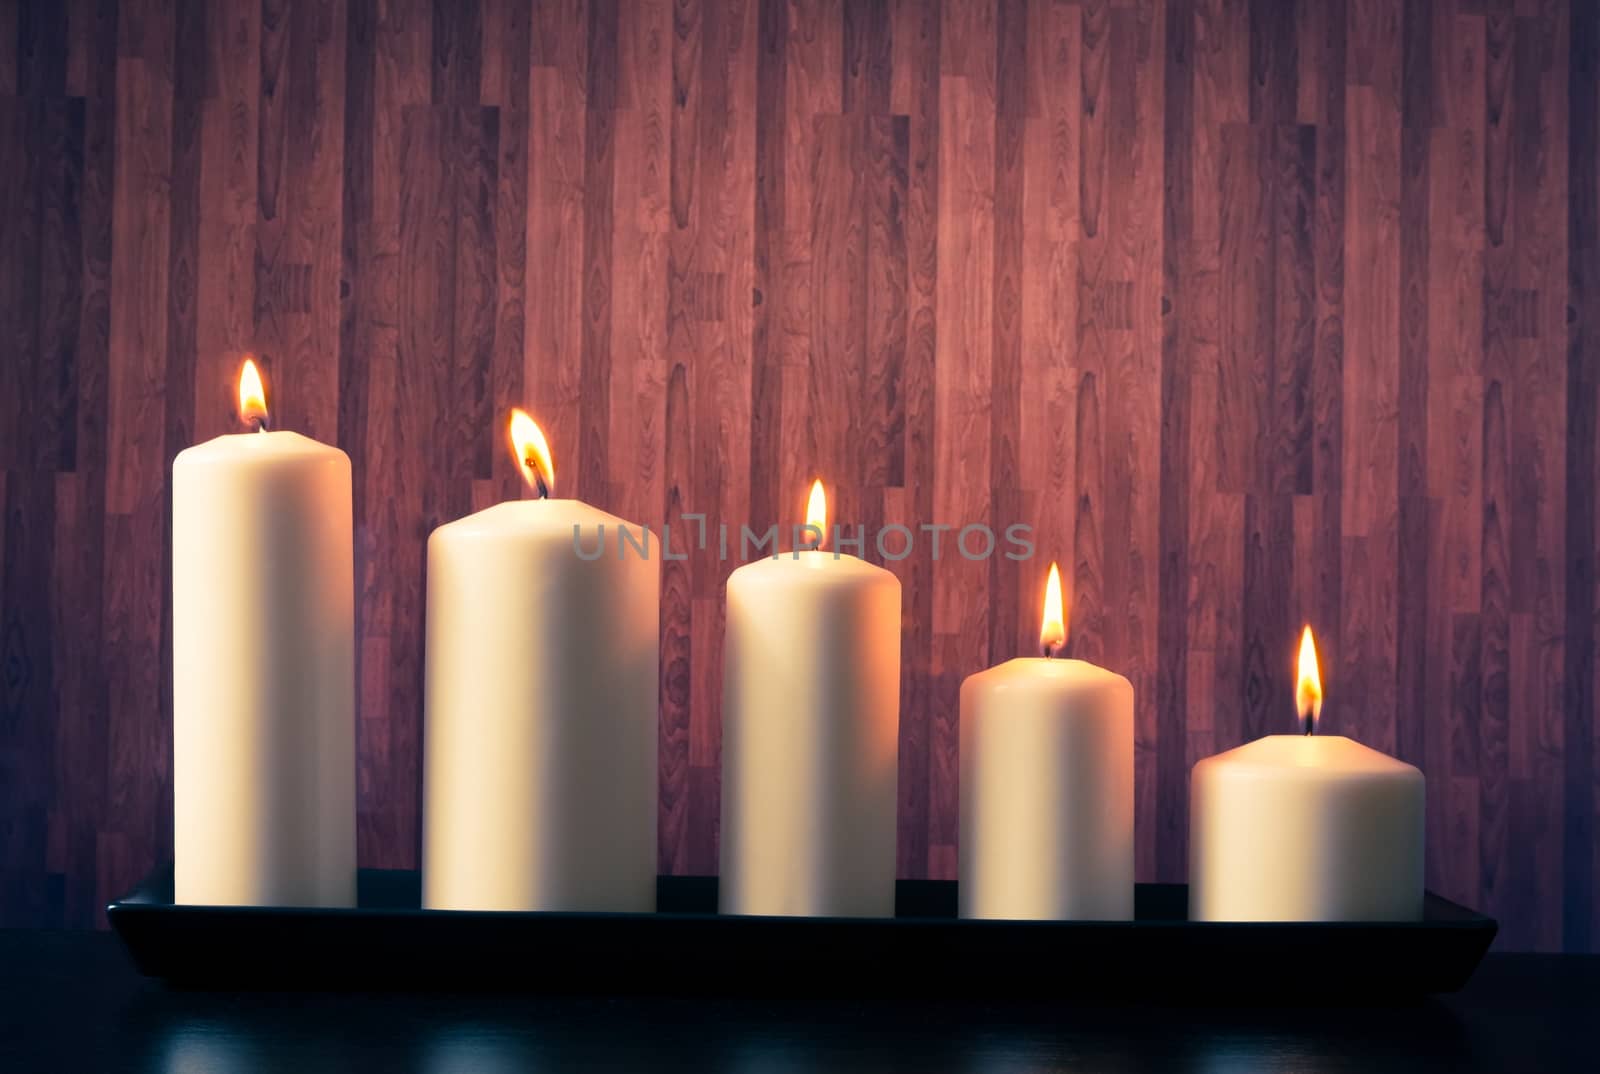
[(1026, 674), (280, 445), (526, 516), (822, 565), (1300, 756)]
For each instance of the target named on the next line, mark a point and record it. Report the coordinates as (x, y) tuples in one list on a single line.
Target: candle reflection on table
[(481, 1032)]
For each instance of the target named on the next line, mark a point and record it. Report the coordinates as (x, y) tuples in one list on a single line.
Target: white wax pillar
[(1305, 828), (263, 658), (810, 737), (539, 773), (1046, 792)]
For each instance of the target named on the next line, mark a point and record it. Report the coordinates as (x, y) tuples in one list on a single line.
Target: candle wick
[(539, 484), (258, 422)]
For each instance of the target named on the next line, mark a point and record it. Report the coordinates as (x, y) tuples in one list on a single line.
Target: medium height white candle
[(539, 772), (263, 644), (810, 735), (1305, 827), (1047, 786)]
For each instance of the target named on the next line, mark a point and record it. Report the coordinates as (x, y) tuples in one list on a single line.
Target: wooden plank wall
[(1260, 311)]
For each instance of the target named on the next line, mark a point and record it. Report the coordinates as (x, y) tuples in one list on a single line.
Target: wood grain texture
[(1256, 312)]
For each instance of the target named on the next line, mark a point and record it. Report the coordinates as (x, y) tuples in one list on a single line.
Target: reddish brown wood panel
[(1257, 312)]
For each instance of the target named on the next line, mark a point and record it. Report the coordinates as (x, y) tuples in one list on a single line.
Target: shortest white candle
[(1305, 827), (1047, 789)]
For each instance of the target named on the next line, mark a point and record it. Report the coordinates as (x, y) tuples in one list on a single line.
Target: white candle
[(1047, 786), (810, 735), (539, 771), (263, 644), (1305, 828)]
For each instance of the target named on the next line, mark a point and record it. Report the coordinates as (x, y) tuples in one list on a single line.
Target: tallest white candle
[(263, 644)]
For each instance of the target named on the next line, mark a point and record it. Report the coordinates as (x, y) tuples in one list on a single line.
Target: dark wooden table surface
[(69, 1001)]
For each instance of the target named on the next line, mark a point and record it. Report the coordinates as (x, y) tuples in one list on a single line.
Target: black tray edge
[(389, 941)]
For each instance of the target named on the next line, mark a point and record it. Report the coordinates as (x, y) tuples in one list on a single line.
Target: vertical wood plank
[(357, 251), (1005, 580), (507, 55), (1415, 570), (677, 582), (425, 492), (141, 219), (1539, 455), (1364, 702), (1135, 423), (638, 329), (1500, 400), (26, 697), (1170, 823), (918, 30), (962, 383), (1327, 25), (134, 408), (476, 434), (1579, 912), (594, 338), (10, 16), (82, 746), (557, 111), (389, 527), (225, 278), (19, 262)]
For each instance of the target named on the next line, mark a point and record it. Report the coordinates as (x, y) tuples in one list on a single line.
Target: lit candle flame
[(528, 447), (1053, 626), (1308, 684), (252, 397), (817, 511)]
